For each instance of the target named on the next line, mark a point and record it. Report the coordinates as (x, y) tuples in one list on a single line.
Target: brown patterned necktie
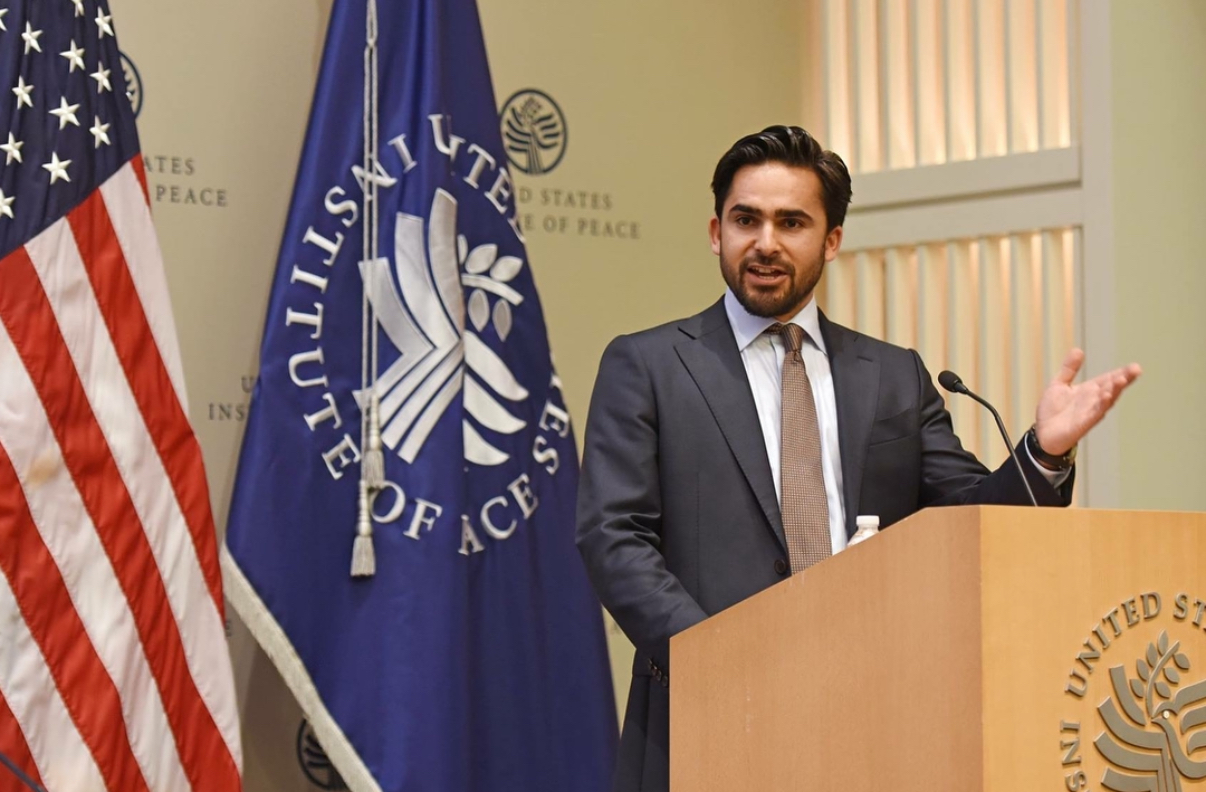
[(803, 503)]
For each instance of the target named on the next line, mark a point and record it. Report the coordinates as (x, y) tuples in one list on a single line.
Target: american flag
[(114, 668)]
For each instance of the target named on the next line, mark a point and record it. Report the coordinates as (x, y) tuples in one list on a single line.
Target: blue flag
[(474, 658)]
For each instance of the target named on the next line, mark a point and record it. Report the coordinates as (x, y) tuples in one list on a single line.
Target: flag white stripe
[(64, 761), (65, 280), (70, 537), (131, 218)]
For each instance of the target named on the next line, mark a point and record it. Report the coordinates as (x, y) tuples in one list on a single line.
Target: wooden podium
[(969, 648)]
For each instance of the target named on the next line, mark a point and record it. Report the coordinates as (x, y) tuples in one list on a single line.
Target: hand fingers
[(1116, 382), (1071, 366), (1123, 378), (1120, 377), (1115, 390)]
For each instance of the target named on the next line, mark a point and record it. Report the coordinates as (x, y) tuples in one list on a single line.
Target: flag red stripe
[(152, 387), (85, 686), (140, 170), (12, 740), (26, 312)]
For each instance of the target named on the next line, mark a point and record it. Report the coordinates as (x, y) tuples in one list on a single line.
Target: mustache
[(763, 260)]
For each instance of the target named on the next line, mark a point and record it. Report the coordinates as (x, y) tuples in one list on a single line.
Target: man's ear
[(833, 243), (714, 233)]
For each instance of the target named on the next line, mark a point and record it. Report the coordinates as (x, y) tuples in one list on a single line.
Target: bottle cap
[(869, 521)]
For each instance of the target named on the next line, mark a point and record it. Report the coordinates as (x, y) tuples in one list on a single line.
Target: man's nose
[(767, 241)]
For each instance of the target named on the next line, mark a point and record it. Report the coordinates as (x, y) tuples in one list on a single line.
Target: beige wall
[(224, 112), (653, 93), (1159, 112)]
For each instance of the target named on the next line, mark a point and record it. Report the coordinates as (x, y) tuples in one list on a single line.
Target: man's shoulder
[(658, 335), (865, 345), (669, 334)]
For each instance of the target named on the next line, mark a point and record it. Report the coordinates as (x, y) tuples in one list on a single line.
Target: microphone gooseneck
[(951, 382)]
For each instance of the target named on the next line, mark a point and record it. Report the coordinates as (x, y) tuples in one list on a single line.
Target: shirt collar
[(747, 327)]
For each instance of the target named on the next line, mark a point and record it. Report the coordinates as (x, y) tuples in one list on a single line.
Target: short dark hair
[(792, 146)]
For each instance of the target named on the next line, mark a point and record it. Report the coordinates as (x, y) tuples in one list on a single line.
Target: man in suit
[(720, 456)]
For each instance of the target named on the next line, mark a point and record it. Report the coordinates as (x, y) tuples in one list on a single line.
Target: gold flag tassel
[(364, 561)]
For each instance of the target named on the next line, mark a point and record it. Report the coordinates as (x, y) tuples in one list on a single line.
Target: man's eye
[(745, 221), (793, 223)]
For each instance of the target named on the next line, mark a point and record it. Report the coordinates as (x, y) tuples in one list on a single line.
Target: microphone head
[(950, 380)]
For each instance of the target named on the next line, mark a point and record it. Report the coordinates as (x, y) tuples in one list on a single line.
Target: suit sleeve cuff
[(1055, 478)]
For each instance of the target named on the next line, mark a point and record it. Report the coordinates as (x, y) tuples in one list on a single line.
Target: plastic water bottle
[(867, 525)]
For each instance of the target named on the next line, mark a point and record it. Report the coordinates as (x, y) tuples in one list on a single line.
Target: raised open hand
[(1068, 411)]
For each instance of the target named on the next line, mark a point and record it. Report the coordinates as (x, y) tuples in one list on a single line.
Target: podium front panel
[(970, 648)]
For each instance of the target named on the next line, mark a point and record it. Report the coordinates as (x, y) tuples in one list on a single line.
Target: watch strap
[(1052, 461)]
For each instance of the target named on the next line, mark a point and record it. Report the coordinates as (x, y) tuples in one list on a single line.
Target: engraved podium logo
[(1153, 723)]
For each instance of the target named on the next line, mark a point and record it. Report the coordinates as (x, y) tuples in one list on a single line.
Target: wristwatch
[(1050, 461)]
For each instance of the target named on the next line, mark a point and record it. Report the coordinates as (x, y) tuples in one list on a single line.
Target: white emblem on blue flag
[(426, 324)]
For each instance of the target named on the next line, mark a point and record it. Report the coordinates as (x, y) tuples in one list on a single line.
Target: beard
[(784, 300)]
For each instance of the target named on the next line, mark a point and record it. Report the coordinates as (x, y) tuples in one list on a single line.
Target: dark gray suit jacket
[(677, 513)]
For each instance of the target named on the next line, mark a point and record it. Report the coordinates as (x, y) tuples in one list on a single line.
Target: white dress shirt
[(763, 356)]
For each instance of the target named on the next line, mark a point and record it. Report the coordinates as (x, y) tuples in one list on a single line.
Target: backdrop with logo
[(613, 115)]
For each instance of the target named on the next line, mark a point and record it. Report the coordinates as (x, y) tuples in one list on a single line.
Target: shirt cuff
[(1055, 478)]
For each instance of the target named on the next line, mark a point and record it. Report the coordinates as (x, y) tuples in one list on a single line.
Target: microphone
[(951, 382)]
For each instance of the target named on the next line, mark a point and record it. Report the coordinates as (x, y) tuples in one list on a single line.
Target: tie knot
[(792, 334)]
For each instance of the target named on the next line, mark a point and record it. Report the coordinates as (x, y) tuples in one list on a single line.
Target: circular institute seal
[(534, 131), (133, 83)]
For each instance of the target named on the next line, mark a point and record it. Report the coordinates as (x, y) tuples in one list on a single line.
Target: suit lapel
[(856, 391), (711, 357)]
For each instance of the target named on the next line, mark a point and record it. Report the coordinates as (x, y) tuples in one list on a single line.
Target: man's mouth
[(765, 274)]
